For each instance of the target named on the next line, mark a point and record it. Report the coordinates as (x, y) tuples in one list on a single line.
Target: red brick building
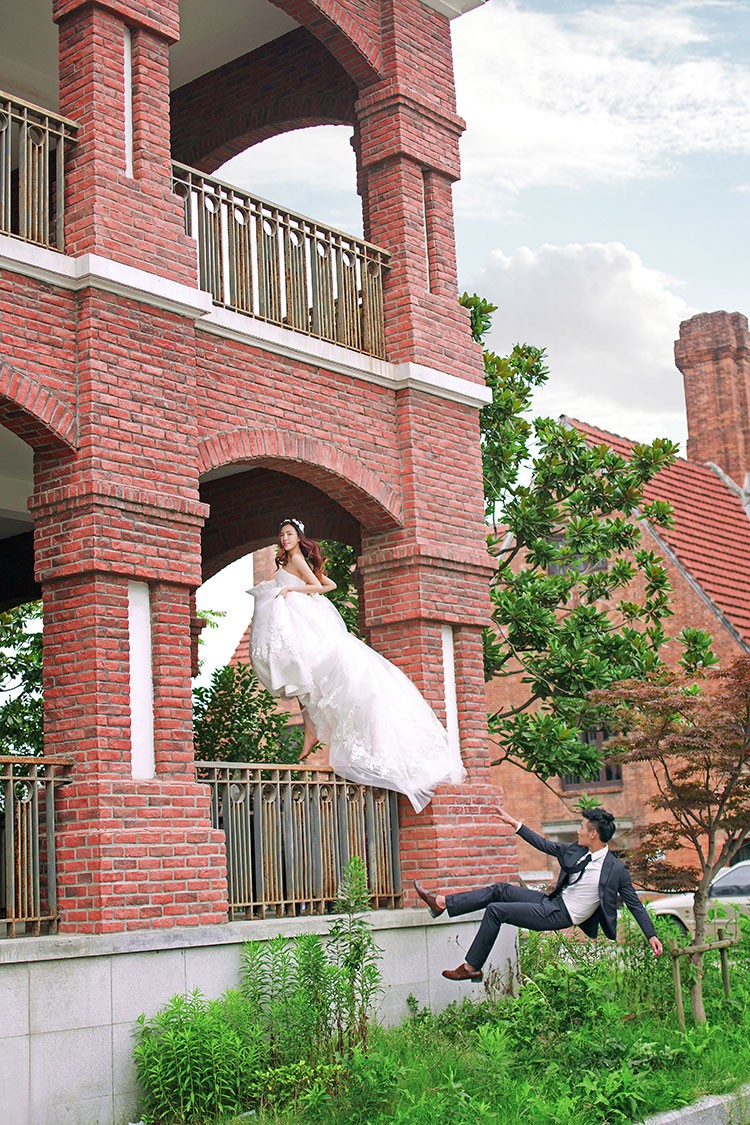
[(706, 554), (181, 365)]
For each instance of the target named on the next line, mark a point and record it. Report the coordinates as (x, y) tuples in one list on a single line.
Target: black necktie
[(578, 871)]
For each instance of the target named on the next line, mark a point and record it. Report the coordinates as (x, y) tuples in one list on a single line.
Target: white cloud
[(608, 324), (605, 93)]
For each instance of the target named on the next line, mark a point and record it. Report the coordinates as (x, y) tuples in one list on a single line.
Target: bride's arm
[(327, 584)]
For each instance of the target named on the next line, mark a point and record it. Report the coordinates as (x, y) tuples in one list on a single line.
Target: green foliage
[(21, 646), (590, 1038), (284, 1038), (355, 957), (340, 565), (578, 602), (236, 720), (197, 1058)]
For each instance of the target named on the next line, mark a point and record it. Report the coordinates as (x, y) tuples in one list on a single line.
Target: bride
[(378, 728)]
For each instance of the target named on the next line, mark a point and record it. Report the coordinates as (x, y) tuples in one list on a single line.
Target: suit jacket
[(614, 881)]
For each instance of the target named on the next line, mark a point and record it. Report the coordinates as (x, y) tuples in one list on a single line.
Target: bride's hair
[(310, 549)]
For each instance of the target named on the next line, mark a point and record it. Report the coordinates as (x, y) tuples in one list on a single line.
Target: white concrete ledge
[(20, 950), (453, 8), (102, 273), (151, 289), (721, 1109)]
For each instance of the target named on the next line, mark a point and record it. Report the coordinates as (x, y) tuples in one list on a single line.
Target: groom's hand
[(507, 818), (656, 945)]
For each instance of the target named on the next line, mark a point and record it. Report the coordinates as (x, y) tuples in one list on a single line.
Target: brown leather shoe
[(462, 973), (428, 899)]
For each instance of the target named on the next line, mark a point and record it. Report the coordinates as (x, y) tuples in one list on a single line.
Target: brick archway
[(35, 414), (345, 479), (353, 42), (289, 83)]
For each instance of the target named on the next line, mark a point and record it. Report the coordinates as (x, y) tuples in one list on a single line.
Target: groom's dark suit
[(535, 910)]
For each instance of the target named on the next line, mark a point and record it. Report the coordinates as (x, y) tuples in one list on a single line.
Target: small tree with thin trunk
[(695, 738)]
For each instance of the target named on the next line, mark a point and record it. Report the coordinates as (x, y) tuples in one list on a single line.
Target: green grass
[(591, 1038)]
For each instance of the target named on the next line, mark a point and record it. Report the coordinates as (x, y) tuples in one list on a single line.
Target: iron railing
[(28, 881), (259, 259), (290, 830), (32, 172)]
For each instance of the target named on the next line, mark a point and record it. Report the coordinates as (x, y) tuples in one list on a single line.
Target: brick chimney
[(713, 354)]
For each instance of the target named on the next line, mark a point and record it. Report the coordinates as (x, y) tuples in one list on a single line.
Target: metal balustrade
[(290, 830), (259, 259), (32, 172), (28, 882)]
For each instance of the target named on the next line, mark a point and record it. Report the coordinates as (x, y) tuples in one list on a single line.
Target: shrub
[(236, 720), (303, 1007), (198, 1058)]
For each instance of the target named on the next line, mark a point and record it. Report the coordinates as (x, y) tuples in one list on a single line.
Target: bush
[(236, 720), (198, 1059), (303, 1008)]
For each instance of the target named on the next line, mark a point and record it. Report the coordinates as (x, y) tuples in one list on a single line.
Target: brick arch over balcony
[(35, 414), (291, 83), (353, 41), (282, 474)]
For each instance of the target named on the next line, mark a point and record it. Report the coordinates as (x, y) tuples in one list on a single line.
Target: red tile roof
[(711, 533)]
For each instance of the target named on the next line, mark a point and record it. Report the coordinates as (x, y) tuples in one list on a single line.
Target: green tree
[(236, 720), (578, 603), (21, 645), (694, 736), (340, 564)]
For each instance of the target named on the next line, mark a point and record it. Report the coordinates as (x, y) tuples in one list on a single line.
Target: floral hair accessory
[(297, 524)]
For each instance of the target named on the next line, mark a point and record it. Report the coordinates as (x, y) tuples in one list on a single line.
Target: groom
[(590, 880)]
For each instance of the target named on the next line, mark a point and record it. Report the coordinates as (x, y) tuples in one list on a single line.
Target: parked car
[(728, 896)]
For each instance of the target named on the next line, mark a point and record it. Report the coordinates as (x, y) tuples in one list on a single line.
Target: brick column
[(114, 74), (134, 845), (435, 572), (713, 354), (118, 553), (407, 160)]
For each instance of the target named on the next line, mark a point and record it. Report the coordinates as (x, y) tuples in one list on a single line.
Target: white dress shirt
[(582, 898)]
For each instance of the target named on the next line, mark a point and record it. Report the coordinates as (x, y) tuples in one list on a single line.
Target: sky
[(604, 193)]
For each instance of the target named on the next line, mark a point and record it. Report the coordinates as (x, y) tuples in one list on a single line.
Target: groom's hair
[(602, 821)]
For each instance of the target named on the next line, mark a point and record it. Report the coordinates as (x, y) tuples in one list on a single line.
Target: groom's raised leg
[(466, 902)]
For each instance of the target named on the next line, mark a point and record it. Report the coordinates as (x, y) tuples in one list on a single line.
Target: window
[(732, 883), (576, 563), (609, 776)]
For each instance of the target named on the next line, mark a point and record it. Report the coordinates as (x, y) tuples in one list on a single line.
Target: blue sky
[(605, 189)]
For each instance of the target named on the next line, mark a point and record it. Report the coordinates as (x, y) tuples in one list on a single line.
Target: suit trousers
[(505, 902)]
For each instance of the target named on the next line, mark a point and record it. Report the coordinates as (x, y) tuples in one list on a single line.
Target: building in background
[(706, 554)]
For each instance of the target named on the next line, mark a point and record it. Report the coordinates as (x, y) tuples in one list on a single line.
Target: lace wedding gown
[(378, 728)]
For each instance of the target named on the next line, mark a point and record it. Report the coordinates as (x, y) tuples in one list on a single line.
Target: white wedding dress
[(378, 728)]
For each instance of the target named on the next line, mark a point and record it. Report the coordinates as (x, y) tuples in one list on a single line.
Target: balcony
[(33, 145), (258, 259), (254, 257), (28, 882), (290, 830)]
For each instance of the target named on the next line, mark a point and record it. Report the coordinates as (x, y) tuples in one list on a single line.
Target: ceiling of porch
[(212, 34)]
